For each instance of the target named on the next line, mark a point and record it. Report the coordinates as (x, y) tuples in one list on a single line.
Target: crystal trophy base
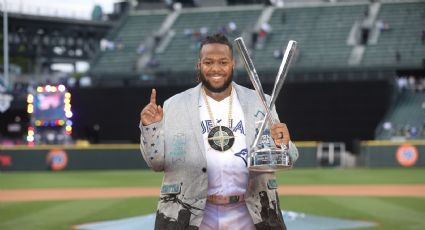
[(269, 160)]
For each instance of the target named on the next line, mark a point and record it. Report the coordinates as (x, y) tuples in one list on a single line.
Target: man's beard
[(213, 89)]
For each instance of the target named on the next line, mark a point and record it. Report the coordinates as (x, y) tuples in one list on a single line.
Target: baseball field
[(392, 198)]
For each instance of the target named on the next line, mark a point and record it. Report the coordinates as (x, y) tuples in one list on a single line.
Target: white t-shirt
[(227, 170)]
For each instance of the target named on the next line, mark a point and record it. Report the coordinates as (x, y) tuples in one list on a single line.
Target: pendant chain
[(229, 115)]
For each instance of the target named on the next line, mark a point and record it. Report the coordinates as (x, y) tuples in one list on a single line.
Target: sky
[(80, 9)]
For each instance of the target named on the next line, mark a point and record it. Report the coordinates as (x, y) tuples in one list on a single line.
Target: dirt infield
[(303, 190)]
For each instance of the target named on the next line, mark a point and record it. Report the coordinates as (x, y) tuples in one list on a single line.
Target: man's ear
[(198, 65)]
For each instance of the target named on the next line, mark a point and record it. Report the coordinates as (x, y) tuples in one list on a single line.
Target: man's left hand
[(280, 134)]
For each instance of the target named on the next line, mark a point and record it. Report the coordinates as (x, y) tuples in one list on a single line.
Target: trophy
[(267, 159)]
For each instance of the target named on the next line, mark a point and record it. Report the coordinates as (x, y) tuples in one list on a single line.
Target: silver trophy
[(267, 159)]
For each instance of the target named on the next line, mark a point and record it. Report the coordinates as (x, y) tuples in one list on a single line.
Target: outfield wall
[(127, 156), (116, 156), (72, 157), (393, 153)]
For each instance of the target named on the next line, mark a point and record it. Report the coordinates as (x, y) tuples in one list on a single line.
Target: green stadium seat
[(406, 21), (182, 52), (406, 111), (132, 33)]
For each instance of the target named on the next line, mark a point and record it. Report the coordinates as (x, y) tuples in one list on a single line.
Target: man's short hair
[(216, 38)]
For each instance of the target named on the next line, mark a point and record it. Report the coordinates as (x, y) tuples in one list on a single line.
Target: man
[(200, 139)]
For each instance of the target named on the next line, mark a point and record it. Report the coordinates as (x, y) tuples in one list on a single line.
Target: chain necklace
[(220, 137)]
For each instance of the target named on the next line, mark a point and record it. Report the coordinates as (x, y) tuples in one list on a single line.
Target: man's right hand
[(152, 112)]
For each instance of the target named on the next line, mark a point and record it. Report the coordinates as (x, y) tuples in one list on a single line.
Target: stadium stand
[(134, 30), (321, 33), (181, 54), (327, 35), (328, 93), (332, 50), (405, 22), (406, 119)]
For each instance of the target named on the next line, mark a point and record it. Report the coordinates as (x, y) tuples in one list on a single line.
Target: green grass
[(57, 215), (353, 176), (146, 178), (80, 179), (388, 212)]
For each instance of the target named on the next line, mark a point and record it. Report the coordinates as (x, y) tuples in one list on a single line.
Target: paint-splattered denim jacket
[(175, 146)]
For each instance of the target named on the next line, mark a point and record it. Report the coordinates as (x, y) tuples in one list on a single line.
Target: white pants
[(227, 217)]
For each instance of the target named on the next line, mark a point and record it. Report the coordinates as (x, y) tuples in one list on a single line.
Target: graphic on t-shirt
[(239, 126), (206, 126), (243, 154)]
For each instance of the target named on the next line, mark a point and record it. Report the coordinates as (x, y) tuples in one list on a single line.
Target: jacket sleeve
[(152, 145), (293, 152)]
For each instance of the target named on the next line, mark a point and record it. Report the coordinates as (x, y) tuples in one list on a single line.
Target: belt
[(223, 200)]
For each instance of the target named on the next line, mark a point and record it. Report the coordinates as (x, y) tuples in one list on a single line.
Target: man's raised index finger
[(153, 96)]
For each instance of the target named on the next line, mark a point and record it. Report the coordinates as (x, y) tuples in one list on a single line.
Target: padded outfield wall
[(94, 157), (393, 153), (127, 156)]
